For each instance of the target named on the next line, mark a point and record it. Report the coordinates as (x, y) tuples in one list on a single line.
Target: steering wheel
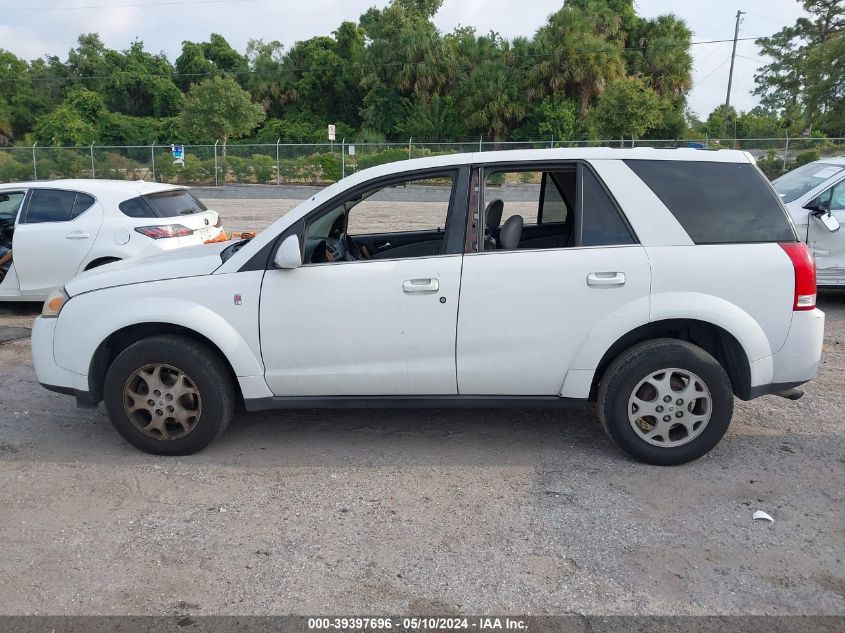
[(351, 252)]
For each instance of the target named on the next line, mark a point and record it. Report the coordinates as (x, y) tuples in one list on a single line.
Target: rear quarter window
[(717, 203)]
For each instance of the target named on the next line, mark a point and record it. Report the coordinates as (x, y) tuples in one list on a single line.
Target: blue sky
[(32, 28)]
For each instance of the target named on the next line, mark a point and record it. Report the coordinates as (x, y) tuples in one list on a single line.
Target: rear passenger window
[(717, 203), (601, 224), (554, 207), (563, 207), (50, 205), (82, 204)]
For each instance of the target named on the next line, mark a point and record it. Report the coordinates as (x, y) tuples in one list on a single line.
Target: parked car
[(657, 283), (59, 228), (814, 194)]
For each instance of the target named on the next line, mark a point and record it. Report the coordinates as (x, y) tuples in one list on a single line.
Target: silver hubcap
[(162, 402), (670, 407)]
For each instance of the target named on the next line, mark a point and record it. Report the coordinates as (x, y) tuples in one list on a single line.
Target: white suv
[(659, 283), (58, 228)]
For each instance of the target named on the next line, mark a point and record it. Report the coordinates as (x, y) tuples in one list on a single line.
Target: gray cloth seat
[(511, 233), (492, 220)]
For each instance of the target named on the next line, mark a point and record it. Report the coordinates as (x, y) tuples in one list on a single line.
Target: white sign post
[(332, 133)]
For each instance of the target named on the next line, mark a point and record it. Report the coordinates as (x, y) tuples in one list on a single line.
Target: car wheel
[(169, 395), (665, 402)]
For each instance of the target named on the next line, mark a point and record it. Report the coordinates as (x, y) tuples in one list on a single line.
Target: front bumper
[(48, 372)]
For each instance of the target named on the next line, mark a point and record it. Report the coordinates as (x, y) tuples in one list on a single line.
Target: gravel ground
[(418, 512), (375, 512)]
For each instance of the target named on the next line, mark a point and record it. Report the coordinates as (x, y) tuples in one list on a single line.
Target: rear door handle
[(420, 285), (77, 235), (606, 279)]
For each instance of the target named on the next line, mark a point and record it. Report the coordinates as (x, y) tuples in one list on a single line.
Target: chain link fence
[(285, 163)]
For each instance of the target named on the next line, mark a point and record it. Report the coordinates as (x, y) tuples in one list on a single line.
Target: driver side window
[(403, 219)]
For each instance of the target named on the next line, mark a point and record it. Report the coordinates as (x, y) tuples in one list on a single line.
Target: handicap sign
[(178, 152)]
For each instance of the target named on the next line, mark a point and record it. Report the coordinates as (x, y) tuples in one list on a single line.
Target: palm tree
[(491, 101), (577, 53)]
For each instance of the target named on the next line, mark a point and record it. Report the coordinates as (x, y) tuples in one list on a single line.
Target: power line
[(712, 72), (169, 3), (366, 66)]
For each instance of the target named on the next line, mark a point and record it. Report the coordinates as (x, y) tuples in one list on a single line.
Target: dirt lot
[(394, 512)]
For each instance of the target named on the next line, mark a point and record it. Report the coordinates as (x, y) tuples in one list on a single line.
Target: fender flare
[(191, 316), (717, 311), (667, 307)]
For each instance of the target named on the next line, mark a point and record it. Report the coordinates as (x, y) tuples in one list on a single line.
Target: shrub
[(804, 158), (771, 164), (239, 167), (330, 167), (11, 169), (388, 155), (264, 167)]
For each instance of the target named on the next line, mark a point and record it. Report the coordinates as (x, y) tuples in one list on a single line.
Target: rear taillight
[(165, 230), (805, 274)]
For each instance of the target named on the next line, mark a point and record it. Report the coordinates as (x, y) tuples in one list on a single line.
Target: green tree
[(74, 122), (579, 52), (807, 72), (218, 108), (629, 107), (491, 100)]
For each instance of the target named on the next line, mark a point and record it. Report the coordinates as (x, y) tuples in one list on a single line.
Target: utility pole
[(733, 57)]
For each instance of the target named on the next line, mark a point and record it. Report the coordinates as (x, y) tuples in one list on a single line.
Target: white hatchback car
[(59, 228), (814, 195), (659, 283)]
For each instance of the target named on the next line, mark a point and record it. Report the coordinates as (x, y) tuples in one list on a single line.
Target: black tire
[(636, 364), (208, 376)]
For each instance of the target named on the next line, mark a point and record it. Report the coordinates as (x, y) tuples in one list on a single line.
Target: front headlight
[(54, 304)]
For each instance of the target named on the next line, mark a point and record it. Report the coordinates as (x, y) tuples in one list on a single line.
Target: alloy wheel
[(670, 407), (162, 401)]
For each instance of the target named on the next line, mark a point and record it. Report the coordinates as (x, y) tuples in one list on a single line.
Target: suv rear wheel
[(665, 402), (169, 395)]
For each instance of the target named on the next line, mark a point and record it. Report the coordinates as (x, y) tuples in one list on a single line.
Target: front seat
[(492, 220), (511, 233)]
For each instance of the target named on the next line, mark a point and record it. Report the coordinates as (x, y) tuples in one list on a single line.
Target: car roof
[(102, 185), (833, 160)]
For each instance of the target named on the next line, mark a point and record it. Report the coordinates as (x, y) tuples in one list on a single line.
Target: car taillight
[(164, 230), (805, 274)]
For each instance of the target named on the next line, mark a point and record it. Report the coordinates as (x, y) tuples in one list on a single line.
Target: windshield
[(799, 181)]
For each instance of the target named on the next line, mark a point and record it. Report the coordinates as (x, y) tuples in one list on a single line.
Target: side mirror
[(289, 256), (821, 211), (827, 219)]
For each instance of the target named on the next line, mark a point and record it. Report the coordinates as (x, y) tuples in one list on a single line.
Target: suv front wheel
[(665, 402), (169, 395)]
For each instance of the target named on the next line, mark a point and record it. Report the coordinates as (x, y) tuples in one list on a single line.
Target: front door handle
[(606, 279), (77, 235), (420, 285)]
